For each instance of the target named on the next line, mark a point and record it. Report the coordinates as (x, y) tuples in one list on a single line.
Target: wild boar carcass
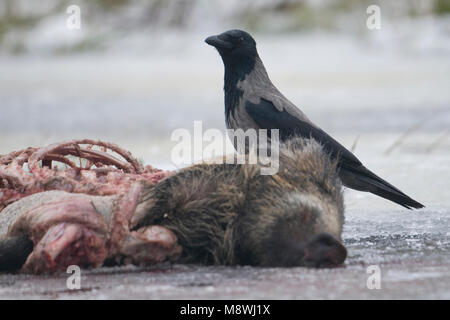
[(231, 214)]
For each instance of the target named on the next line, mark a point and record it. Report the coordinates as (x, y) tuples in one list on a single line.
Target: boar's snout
[(323, 250)]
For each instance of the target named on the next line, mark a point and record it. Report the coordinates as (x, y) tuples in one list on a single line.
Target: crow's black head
[(238, 51), (233, 44)]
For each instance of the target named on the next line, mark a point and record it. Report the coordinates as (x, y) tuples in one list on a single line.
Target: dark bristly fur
[(14, 251), (231, 214), (253, 102)]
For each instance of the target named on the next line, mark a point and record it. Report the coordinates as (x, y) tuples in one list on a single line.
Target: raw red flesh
[(90, 221), (66, 244), (102, 174)]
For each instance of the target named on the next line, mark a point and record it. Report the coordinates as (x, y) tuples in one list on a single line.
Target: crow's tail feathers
[(369, 181), (402, 199)]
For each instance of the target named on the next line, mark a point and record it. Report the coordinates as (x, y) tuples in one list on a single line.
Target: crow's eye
[(241, 39)]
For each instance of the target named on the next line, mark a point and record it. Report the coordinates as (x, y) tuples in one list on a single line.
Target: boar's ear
[(14, 252)]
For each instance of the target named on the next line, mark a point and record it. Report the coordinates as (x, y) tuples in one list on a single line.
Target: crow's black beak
[(217, 42)]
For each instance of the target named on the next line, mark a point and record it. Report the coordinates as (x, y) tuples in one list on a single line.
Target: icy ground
[(413, 257), (350, 90)]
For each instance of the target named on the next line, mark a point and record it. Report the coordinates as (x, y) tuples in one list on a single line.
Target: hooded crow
[(253, 102)]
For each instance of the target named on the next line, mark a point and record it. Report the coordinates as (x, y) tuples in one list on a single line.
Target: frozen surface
[(413, 254), (350, 89), (412, 249)]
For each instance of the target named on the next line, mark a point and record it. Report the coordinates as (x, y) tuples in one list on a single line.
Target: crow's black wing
[(268, 117), (351, 170)]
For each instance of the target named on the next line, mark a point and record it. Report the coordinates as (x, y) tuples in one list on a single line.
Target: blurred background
[(137, 70)]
